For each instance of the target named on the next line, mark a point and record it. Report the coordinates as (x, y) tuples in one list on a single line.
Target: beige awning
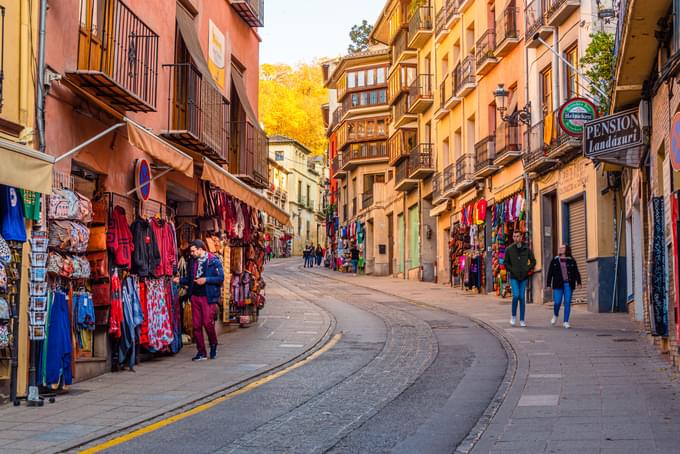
[(159, 149), (25, 168), (236, 188), (439, 209), (467, 198), (186, 28), (242, 94), (509, 189)]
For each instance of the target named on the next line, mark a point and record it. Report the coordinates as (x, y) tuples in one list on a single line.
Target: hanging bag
[(4, 336), (101, 294), (5, 252), (100, 211), (5, 313), (97, 240)]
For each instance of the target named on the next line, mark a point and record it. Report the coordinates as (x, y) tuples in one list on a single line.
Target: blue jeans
[(355, 264), (519, 289), (558, 295)]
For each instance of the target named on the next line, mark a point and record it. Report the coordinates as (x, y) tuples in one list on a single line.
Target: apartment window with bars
[(571, 55)]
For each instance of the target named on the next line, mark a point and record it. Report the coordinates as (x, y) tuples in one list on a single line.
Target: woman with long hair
[(563, 277)]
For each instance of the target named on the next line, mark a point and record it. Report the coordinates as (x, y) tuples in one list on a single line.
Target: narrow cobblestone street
[(413, 367)]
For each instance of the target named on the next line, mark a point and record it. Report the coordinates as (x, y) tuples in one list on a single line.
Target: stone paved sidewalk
[(598, 387), (288, 327)]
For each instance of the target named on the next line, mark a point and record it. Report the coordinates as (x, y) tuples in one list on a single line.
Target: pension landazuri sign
[(615, 138)]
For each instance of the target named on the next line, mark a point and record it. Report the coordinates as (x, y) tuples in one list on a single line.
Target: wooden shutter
[(577, 242)]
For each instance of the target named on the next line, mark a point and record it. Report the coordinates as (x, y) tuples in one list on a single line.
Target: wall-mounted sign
[(143, 179), (675, 142), (574, 114), (216, 54), (615, 138)]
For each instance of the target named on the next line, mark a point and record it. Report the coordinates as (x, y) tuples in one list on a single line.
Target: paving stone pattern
[(598, 387)]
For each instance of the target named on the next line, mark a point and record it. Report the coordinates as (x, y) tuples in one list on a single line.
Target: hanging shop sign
[(574, 114), (617, 139), (143, 179), (675, 142)]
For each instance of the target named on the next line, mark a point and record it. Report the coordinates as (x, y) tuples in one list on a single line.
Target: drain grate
[(624, 339), (603, 335), (445, 325)]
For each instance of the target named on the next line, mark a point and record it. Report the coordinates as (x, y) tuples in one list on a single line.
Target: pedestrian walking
[(519, 263), (204, 280), (355, 258), (563, 277), (305, 255), (319, 255)]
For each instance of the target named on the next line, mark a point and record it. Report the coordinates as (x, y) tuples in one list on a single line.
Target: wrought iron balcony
[(437, 188), (446, 16), (420, 96), (420, 26), (338, 114), (449, 180), (534, 22), (198, 114), (336, 167), (557, 11), (401, 48), (402, 180), (508, 143), (465, 168), (367, 199), (536, 158), (421, 164), (486, 45), (485, 154), (561, 144), (251, 144), (402, 113), (117, 57), (251, 11), (507, 31), (465, 79)]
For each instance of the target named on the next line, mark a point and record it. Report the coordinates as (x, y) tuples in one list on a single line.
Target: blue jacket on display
[(214, 278)]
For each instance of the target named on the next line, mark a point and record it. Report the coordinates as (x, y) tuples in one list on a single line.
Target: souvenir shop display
[(507, 216), (467, 247)]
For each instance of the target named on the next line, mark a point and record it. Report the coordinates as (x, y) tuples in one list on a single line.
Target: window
[(299, 192), (370, 77), (364, 99), (299, 226), (279, 155), (382, 96), (571, 55), (361, 79), (546, 90), (309, 201), (380, 178), (355, 100), (307, 229), (374, 97), (381, 75), (351, 80)]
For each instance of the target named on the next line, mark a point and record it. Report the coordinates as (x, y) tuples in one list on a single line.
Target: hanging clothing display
[(159, 316)]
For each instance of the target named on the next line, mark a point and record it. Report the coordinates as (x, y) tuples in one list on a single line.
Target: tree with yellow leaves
[(290, 103)]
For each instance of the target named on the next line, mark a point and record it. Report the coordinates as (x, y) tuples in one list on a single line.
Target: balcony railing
[(533, 19), (465, 76), (506, 27), (465, 169), (558, 10), (560, 142), (400, 45), (420, 25), (400, 144), (508, 143), (420, 96), (117, 56), (338, 113), (402, 113), (536, 158), (402, 180), (251, 11), (420, 161), (250, 144), (367, 199), (485, 154), (198, 114), (437, 187), (445, 15), (485, 47), (449, 178)]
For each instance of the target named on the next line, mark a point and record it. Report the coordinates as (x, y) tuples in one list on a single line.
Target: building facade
[(306, 191)]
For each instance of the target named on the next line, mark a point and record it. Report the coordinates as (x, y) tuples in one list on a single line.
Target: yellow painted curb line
[(203, 407)]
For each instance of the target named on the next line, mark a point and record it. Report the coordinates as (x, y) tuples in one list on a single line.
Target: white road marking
[(291, 345), (541, 400)]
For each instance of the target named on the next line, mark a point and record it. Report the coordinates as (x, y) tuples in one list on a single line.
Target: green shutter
[(401, 236), (414, 229)]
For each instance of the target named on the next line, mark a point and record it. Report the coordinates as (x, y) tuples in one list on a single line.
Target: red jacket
[(165, 238), (119, 238)]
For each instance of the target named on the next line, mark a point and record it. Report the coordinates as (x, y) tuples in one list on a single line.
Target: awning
[(509, 189), (159, 149), (242, 93), (467, 197), (23, 167), (185, 25), (235, 187), (439, 209)]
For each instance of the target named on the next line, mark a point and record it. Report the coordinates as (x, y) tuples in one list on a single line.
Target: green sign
[(574, 114)]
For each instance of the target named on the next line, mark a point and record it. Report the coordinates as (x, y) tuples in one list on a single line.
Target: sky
[(298, 31)]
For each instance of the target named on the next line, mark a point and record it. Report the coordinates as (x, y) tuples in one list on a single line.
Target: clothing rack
[(136, 208)]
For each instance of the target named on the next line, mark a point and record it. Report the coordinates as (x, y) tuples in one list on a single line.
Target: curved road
[(402, 378)]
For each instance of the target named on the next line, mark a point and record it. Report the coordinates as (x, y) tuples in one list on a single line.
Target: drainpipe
[(40, 102), (527, 179), (420, 228)]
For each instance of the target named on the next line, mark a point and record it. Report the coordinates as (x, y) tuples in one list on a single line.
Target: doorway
[(548, 234), (390, 244)]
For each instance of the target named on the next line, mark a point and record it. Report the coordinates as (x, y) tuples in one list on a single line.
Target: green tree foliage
[(598, 64), (359, 37), (290, 103)]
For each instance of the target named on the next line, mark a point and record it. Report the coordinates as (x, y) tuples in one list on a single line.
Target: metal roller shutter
[(577, 242)]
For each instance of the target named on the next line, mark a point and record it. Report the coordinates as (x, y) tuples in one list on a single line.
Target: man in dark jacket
[(519, 262), (204, 280)]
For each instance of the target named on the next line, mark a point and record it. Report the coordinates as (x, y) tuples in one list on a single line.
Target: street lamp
[(523, 115)]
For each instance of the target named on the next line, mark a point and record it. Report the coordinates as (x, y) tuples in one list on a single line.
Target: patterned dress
[(158, 315)]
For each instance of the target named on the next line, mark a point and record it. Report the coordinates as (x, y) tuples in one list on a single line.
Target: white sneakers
[(522, 324), (553, 320), (566, 325), (513, 320)]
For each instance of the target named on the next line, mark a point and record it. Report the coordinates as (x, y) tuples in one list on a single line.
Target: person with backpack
[(519, 263), (204, 280), (563, 277)]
